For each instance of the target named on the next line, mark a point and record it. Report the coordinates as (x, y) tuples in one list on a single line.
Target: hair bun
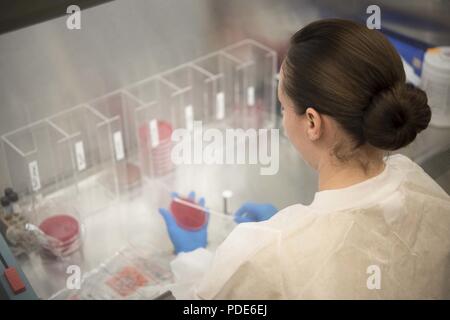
[(395, 116)]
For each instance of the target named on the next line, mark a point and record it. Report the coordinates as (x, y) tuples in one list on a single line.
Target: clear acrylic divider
[(42, 172), (91, 146), (255, 84), (155, 119), (77, 165), (119, 108), (220, 94), (38, 160)]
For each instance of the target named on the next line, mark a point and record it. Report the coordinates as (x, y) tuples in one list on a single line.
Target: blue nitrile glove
[(185, 240), (254, 212)]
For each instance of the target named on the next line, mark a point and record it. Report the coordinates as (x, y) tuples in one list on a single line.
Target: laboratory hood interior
[(87, 115)]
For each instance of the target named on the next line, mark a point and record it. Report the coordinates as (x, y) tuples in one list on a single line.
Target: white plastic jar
[(436, 83)]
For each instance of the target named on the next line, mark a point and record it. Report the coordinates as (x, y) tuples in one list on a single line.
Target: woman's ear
[(314, 124), (310, 119)]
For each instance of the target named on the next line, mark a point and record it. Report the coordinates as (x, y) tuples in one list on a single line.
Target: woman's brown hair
[(353, 74)]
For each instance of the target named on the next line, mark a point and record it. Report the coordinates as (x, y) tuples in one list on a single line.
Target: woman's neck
[(337, 176)]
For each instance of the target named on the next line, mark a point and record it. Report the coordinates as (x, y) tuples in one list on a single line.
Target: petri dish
[(159, 157), (187, 217), (62, 227), (164, 133)]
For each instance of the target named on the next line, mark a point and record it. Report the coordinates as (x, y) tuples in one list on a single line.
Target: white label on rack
[(189, 115), (34, 176), (154, 134), (118, 145), (251, 96), (81, 158), (220, 105)]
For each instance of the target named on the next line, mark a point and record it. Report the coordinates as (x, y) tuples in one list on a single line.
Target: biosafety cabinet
[(87, 182), (88, 117)]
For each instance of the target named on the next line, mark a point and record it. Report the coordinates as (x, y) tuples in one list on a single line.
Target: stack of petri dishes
[(63, 233), (157, 150)]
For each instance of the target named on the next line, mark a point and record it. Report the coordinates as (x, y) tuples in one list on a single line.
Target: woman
[(379, 227)]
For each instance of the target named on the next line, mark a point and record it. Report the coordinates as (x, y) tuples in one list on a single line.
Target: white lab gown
[(385, 238)]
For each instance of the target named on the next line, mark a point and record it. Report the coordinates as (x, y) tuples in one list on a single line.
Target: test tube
[(14, 200), (226, 195), (6, 206)]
